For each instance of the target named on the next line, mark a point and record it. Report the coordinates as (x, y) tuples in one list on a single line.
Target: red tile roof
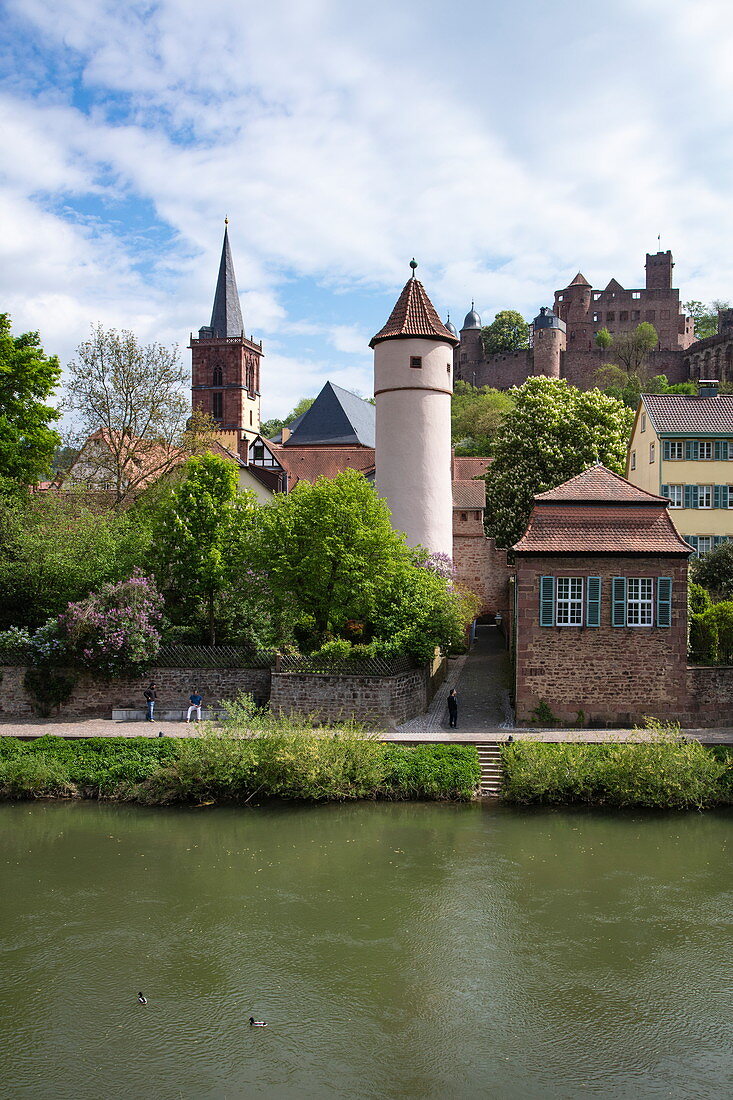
[(467, 467), (599, 484), (309, 463), (469, 494), (414, 315), (677, 412), (598, 512)]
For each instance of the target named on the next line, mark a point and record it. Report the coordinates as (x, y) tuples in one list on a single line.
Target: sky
[(505, 145)]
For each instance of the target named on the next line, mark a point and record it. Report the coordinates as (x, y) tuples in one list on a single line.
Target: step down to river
[(489, 758)]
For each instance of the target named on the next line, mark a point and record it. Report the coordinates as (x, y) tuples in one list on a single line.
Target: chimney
[(707, 387), (286, 433)]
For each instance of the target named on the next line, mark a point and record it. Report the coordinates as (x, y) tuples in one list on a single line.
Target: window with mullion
[(640, 601), (706, 449), (704, 496), (569, 601), (676, 496)]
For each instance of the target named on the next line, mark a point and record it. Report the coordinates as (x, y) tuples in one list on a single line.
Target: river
[(407, 950)]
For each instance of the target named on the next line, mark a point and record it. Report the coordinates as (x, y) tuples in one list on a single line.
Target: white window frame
[(569, 605), (640, 601), (730, 496), (706, 445), (643, 422), (651, 453), (676, 496), (676, 450), (705, 493), (705, 549), (633, 460)]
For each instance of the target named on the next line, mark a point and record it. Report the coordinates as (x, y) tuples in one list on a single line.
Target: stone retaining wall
[(97, 698), (374, 700), (709, 697)]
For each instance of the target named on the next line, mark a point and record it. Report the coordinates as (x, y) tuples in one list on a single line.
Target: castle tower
[(658, 268), (573, 306), (413, 384), (225, 365), (470, 354), (548, 343)]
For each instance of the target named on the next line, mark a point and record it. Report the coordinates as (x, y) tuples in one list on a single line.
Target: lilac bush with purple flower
[(115, 630)]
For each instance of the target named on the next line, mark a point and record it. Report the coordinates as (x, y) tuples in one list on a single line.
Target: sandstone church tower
[(225, 365), (413, 385)]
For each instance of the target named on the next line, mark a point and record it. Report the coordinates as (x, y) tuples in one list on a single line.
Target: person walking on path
[(452, 709), (195, 700), (150, 697)]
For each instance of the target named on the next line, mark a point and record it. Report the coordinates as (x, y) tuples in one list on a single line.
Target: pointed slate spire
[(226, 316)]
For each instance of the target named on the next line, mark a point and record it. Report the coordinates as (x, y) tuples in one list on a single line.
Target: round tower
[(413, 385), (548, 343)]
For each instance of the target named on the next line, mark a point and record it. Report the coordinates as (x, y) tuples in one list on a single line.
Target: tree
[(476, 415), (507, 332), (628, 387), (269, 428), (131, 411), (631, 349), (714, 571), (28, 377), (705, 317), (192, 531), (553, 432), (603, 338)]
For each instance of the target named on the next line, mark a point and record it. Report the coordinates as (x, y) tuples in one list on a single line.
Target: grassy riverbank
[(292, 764), (665, 772)]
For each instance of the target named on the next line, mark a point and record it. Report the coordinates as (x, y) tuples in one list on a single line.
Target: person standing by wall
[(453, 709), (195, 700), (150, 697)]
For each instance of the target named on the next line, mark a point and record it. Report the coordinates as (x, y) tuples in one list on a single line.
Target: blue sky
[(505, 144)]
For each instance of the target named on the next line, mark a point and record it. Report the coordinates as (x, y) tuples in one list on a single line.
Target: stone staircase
[(489, 757)]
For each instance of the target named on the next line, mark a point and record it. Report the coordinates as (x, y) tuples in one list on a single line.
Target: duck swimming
[(142, 1000), (256, 1023)]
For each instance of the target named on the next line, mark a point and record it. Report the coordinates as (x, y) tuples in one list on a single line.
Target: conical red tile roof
[(580, 280), (414, 315)]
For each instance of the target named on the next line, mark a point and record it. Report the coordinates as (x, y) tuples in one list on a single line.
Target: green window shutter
[(724, 496), (692, 449), (718, 540), (725, 449), (665, 449), (688, 496), (547, 601), (695, 495), (717, 493), (718, 450), (692, 539), (593, 602), (618, 602), (664, 601), (665, 491)]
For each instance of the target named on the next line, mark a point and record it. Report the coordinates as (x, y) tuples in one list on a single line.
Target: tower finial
[(413, 265), (226, 221)]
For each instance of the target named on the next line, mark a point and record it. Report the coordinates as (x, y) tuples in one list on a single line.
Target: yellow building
[(682, 448)]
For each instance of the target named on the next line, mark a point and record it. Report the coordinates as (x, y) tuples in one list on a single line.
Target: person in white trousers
[(195, 700)]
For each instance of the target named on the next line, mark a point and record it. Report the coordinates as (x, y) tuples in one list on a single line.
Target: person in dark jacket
[(150, 696), (453, 709)]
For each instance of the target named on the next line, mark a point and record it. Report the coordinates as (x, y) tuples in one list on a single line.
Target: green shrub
[(543, 714), (32, 776), (49, 688), (698, 599), (703, 637)]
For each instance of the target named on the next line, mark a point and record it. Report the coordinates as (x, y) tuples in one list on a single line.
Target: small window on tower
[(217, 405), (447, 367), (217, 378), (416, 361), (250, 418)]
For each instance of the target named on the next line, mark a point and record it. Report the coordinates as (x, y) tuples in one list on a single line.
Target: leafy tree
[(57, 547), (331, 557), (130, 410), (553, 432), (603, 338), (507, 332), (192, 533), (269, 428), (705, 317), (28, 377), (628, 387), (631, 349), (114, 630), (714, 571), (476, 415)]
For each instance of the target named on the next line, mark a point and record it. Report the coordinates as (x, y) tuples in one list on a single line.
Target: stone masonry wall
[(481, 567), (710, 697), (97, 698), (614, 675), (374, 700)]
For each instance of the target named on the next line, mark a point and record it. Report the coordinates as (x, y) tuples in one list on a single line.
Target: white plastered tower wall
[(413, 385)]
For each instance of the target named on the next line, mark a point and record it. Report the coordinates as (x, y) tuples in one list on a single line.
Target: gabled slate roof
[(414, 315), (677, 412), (336, 417), (226, 316), (598, 512)]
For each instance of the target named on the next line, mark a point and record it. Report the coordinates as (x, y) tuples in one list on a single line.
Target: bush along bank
[(221, 767), (665, 772)]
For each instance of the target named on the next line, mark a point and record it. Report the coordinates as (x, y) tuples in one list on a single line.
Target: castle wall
[(479, 565)]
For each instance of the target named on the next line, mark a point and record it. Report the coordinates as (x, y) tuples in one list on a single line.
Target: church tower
[(225, 365), (413, 385)]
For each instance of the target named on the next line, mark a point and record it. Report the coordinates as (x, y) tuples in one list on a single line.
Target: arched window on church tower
[(217, 378)]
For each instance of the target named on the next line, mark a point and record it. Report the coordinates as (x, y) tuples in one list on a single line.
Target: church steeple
[(226, 316)]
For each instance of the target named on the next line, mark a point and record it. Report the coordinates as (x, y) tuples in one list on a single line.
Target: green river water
[(407, 950)]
